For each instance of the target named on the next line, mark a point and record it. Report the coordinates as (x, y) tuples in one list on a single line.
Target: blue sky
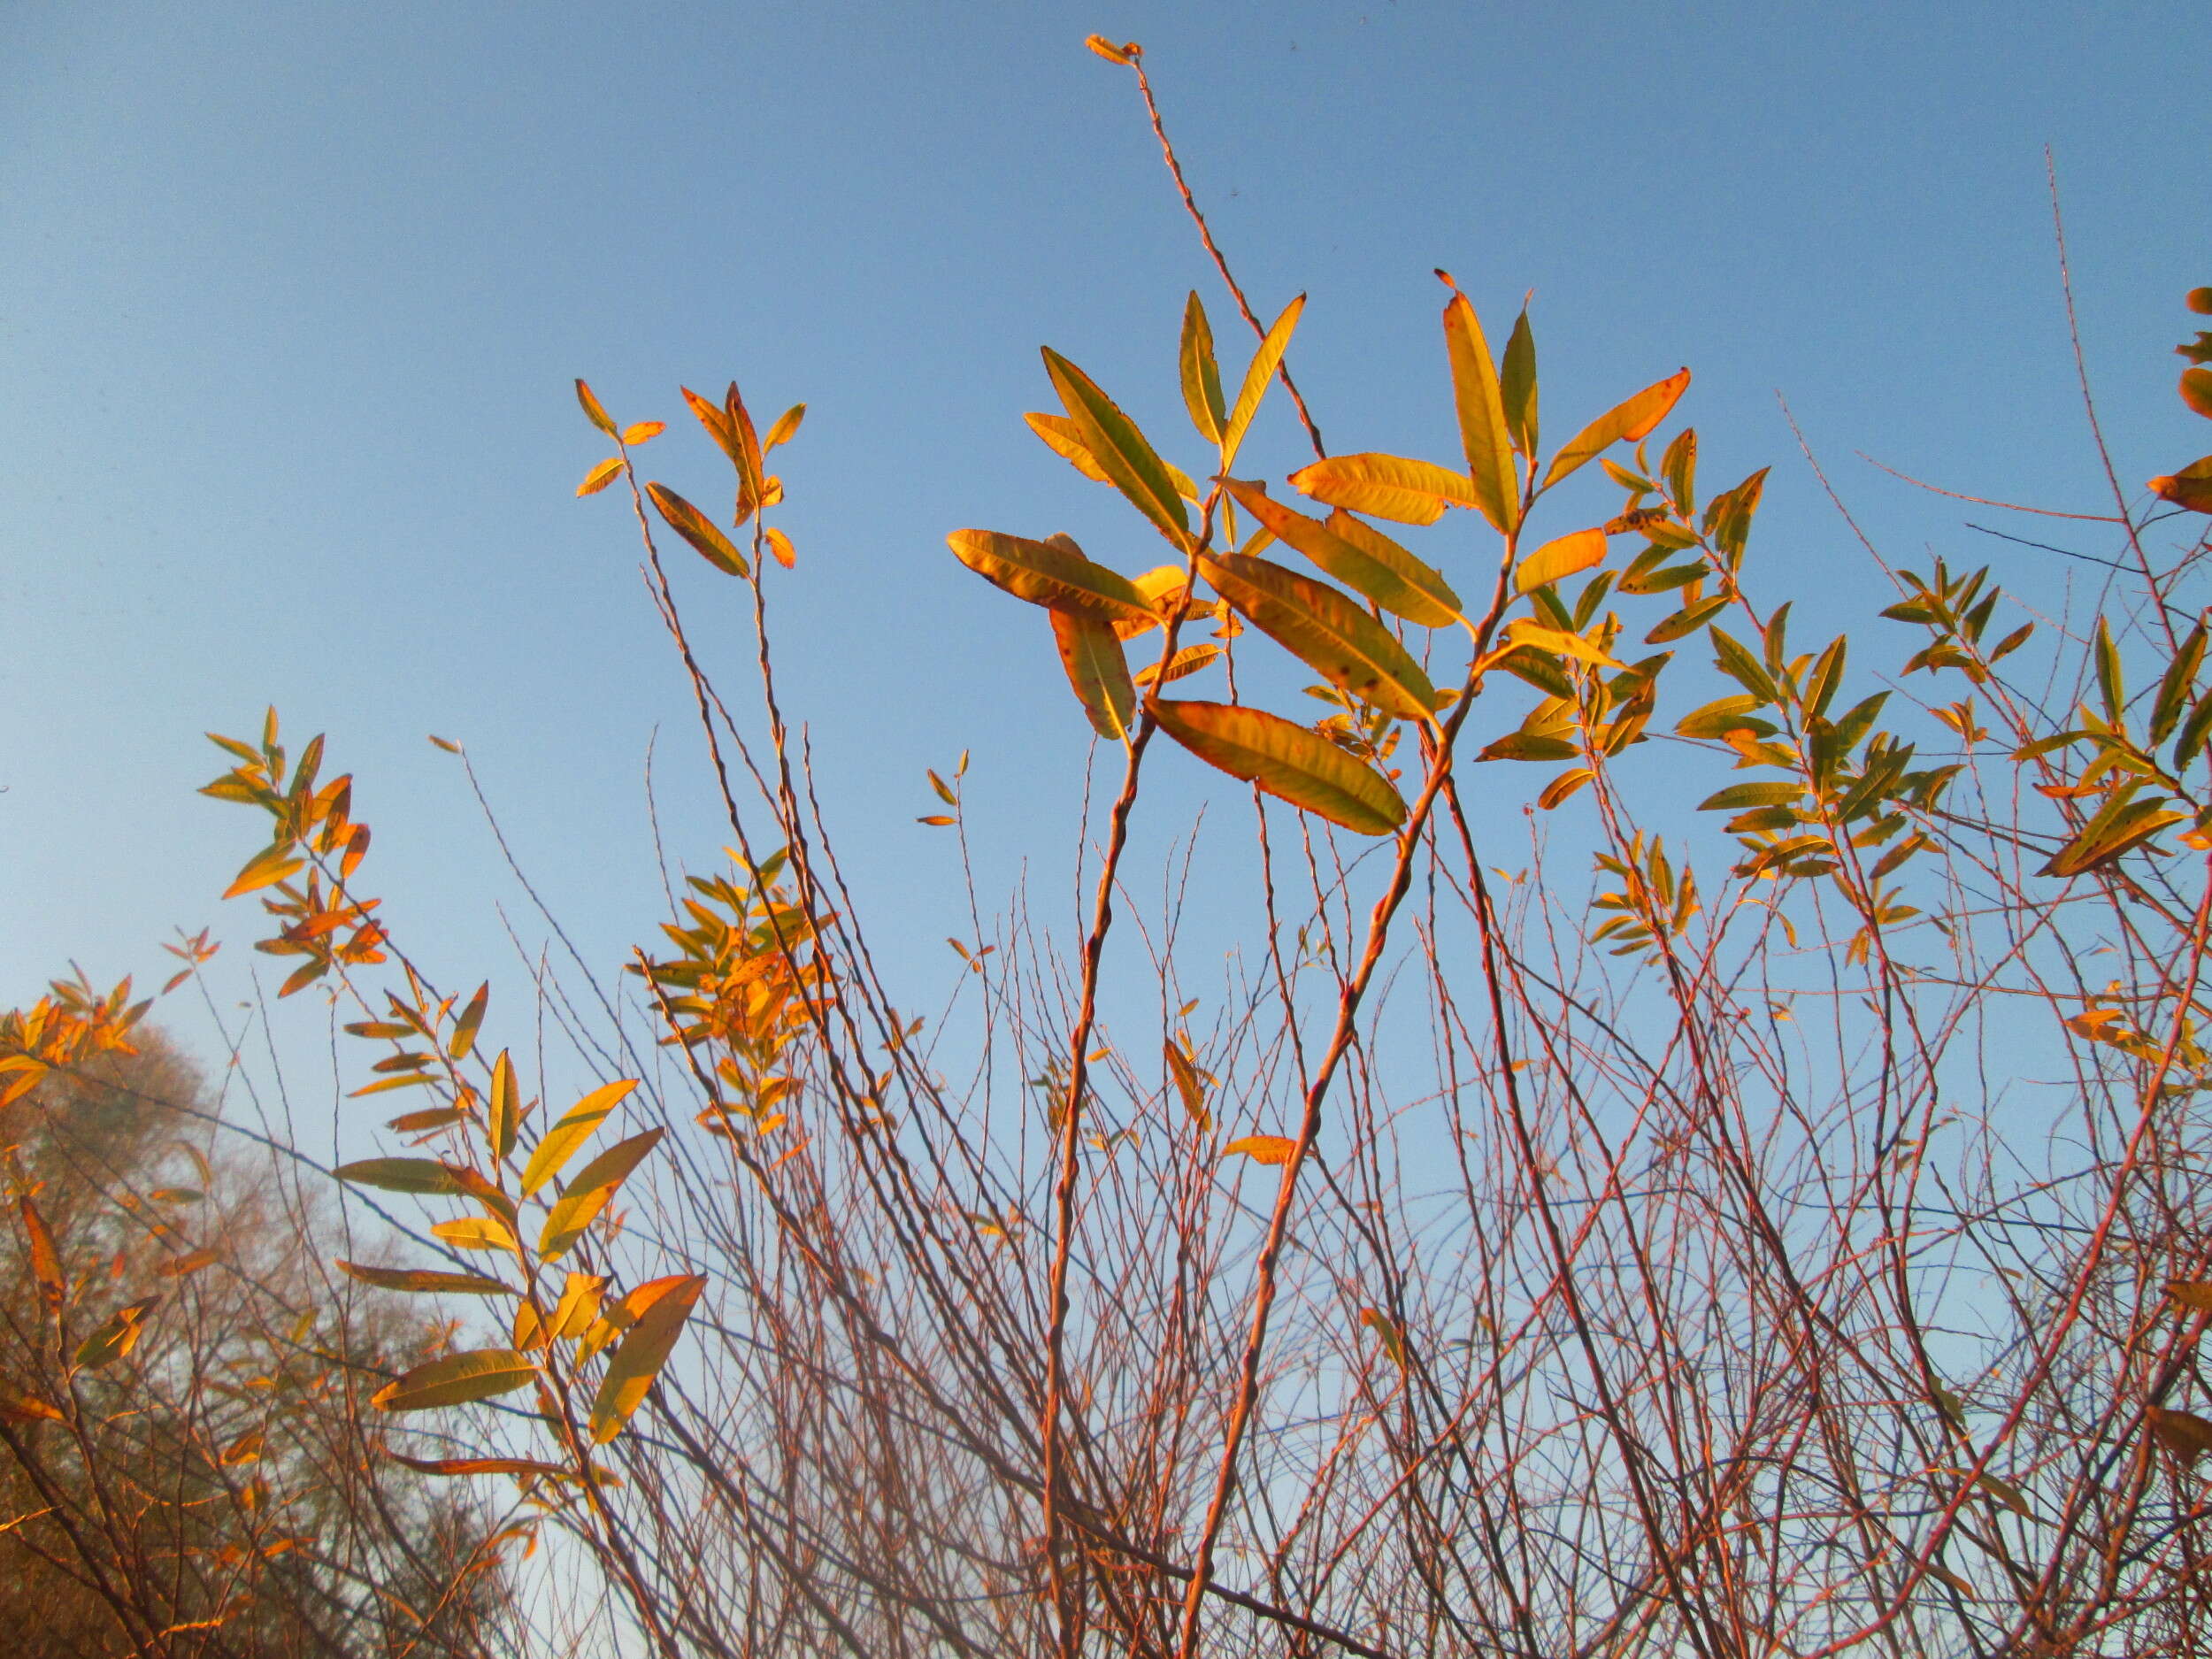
[(290, 297)]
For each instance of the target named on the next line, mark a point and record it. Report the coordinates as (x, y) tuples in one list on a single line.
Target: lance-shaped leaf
[(482, 1466), (457, 1379), (472, 1020), (1557, 560), (588, 1192), (1631, 420), (1362, 558), (2123, 823), (1262, 1149), (1054, 577), (1394, 486), (1201, 374), (1120, 449), (401, 1175), (1516, 385), (644, 1350), (45, 1261), (1065, 439), (592, 411), (1481, 407), (1286, 760), (564, 1139), (476, 1232), (118, 1336), (504, 1114), (271, 864), (1523, 632), (1091, 651), (419, 1280), (1265, 361), (696, 528), (1190, 1085), (1184, 663), (1325, 630)]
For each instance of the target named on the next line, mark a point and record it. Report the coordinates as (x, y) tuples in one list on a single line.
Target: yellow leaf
[(601, 475), (1561, 558), (480, 1466), (564, 1138), (1362, 558), (1107, 49), (1120, 449), (595, 1184), (1286, 761), (27, 1408), (787, 427), (1091, 653), (695, 527), (117, 1337), (192, 1261), (660, 1310), (1535, 635), (421, 1280), (1262, 1149), (2192, 1294), (1482, 427), (457, 1379), (1394, 1339), (1185, 663), (476, 1233), (1631, 420), (780, 544), (45, 1261), (1190, 1086), (505, 1112), (1265, 361), (1326, 631), (597, 416), (1392, 486), (1049, 575), (644, 432), (271, 864)]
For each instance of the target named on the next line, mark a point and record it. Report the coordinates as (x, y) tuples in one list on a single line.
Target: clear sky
[(291, 295)]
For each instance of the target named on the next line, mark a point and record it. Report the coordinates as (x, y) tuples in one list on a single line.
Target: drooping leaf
[(457, 1379), (588, 1195), (480, 1466), (1091, 652), (1120, 449), (401, 1175), (1393, 1339), (1286, 761), (1201, 374), (1190, 1085), (1262, 1149), (644, 1350), (1528, 745), (1392, 486), (701, 531), (45, 1261), (1482, 426), (576, 1124), (1555, 560), (1362, 558), (420, 1280), (1325, 630), (1051, 576), (1631, 420), (1265, 361)]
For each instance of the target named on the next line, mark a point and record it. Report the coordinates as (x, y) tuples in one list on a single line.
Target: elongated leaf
[(564, 1138), (482, 1466), (472, 1020), (593, 411), (1120, 449), (1286, 760), (696, 528), (1190, 1085), (644, 1350), (457, 1380), (1688, 620), (1091, 652), (1739, 795), (1528, 745), (45, 1261), (1561, 558), (1184, 663), (118, 1336), (1051, 576), (1523, 632), (1392, 486), (2120, 827), (1201, 375), (400, 1175), (1265, 361), (1326, 631), (601, 475), (588, 1192), (420, 1280), (189, 1262), (1631, 420), (476, 1233), (1516, 385), (1363, 559), (1481, 407), (271, 864), (1262, 1149), (787, 427), (504, 1114)]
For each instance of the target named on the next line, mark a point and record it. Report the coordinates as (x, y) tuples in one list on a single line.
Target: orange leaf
[(1262, 1149)]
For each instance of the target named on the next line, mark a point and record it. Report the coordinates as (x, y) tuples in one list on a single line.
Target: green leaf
[(1481, 407), (1120, 450), (421, 1279), (1732, 659), (2123, 823), (1202, 376), (1558, 559), (2110, 688), (566, 1138), (1097, 668), (1516, 385), (1688, 620), (660, 1309), (1326, 631), (1265, 361), (457, 1380), (588, 1195), (401, 1175), (1678, 467), (1632, 420), (1728, 520), (1361, 557), (1053, 576), (2174, 689), (696, 528), (1286, 761), (1739, 795), (1391, 487), (1528, 745)]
